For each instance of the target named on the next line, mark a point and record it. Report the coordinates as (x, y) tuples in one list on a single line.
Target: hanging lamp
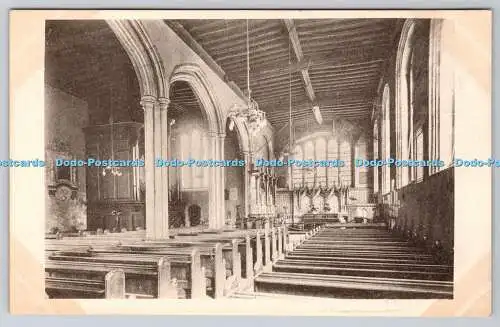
[(111, 170), (254, 118)]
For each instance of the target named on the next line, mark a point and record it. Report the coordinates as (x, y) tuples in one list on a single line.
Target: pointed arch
[(403, 115), (242, 134), (145, 60), (193, 74)]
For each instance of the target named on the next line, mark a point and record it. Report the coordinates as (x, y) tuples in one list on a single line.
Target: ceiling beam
[(295, 42), (338, 58), (185, 36), (355, 98)]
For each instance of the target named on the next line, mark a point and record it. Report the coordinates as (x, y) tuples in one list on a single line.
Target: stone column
[(212, 187), (266, 179), (246, 183), (148, 104), (221, 174), (163, 108), (257, 191), (158, 208)]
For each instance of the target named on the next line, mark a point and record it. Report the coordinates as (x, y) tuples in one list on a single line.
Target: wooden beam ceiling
[(334, 63), (304, 71)]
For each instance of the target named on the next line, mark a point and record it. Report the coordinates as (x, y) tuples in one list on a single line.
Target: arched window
[(322, 147), (361, 173), (404, 97), (309, 154), (321, 155), (441, 92), (193, 145), (375, 156), (345, 155), (297, 171), (332, 155), (386, 140)]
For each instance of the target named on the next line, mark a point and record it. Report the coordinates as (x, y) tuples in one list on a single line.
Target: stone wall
[(65, 117)]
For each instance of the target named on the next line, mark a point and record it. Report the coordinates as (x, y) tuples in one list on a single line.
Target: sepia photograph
[(249, 157)]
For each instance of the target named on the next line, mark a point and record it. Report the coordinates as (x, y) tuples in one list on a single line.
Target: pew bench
[(186, 271), (352, 268), (146, 276), (211, 255), (73, 282), (353, 287), (325, 253)]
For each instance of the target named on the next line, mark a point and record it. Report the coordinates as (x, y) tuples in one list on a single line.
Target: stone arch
[(269, 146), (403, 126), (242, 134), (145, 60), (193, 74)]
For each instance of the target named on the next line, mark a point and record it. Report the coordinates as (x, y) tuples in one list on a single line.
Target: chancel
[(295, 104)]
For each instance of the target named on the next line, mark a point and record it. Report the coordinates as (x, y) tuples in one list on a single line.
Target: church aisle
[(368, 263)]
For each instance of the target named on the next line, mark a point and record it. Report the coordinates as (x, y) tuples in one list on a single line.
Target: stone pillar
[(221, 174), (148, 105), (266, 185), (212, 187), (246, 183), (163, 108), (257, 192)]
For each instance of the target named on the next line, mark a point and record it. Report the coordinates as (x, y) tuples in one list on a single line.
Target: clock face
[(63, 193)]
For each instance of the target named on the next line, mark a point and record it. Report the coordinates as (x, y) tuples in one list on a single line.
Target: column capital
[(245, 154), (163, 103), (212, 134), (147, 102)]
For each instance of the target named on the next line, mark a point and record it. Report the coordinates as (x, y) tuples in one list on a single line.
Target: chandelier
[(111, 170), (254, 118)]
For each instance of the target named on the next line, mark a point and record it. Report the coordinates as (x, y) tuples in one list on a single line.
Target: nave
[(319, 90), (333, 261)]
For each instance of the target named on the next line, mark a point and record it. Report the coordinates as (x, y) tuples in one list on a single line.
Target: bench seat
[(75, 282), (351, 286)]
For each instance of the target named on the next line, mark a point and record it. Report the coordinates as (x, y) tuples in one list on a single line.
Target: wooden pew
[(73, 282), (370, 269), (211, 260), (187, 273), (146, 276), (258, 257), (353, 287), (231, 255), (252, 246), (267, 249), (185, 264)]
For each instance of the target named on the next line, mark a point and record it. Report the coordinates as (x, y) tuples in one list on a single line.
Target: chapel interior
[(271, 89)]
